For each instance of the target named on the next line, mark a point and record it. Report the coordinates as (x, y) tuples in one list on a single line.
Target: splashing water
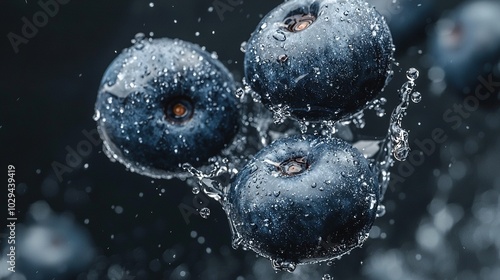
[(261, 129), (396, 145)]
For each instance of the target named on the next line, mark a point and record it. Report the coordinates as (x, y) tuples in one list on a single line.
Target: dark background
[(442, 222)]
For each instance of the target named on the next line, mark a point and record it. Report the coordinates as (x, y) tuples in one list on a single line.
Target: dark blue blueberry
[(165, 102), (304, 199), (466, 45), (323, 59)]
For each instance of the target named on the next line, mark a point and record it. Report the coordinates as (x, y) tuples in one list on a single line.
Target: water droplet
[(412, 74), (240, 92), (380, 211), (281, 265), (280, 113), (237, 240), (139, 37), (97, 115), (372, 199), (282, 58), (243, 47), (416, 97), (196, 190), (139, 46), (279, 35), (327, 277), (205, 213)]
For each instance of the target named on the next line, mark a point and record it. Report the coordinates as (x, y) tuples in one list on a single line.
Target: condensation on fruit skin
[(130, 110), (283, 74), (282, 199), (327, 277), (205, 213)]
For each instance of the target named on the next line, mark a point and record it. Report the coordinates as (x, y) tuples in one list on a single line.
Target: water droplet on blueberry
[(205, 213), (279, 35)]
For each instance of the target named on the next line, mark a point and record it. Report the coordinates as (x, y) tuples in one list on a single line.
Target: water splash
[(382, 153), (211, 183), (260, 129), (280, 113), (281, 265), (395, 146)]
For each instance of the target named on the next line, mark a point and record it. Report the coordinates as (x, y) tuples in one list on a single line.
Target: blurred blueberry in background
[(407, 19), (51, 246), (465, 44)]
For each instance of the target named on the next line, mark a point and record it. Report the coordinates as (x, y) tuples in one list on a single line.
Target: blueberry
[(321, 59), (55, 248), (165, 102), (466, 44), (304, 199)]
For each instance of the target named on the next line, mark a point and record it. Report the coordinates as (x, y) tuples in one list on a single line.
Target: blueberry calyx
[(300, 19), (179, 110), (294, 166), (297, 23)]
